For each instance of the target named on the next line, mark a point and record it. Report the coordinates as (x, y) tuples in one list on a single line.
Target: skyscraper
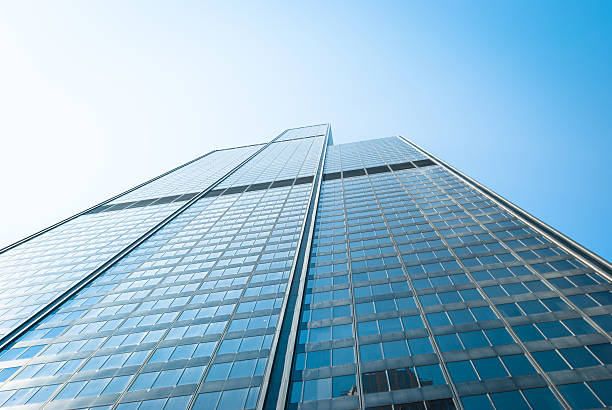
[(301, 274)]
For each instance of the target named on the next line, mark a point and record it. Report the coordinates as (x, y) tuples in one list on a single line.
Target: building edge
[(50, 307), (595, 261)]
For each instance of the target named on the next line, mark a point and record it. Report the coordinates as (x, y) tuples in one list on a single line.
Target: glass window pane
[(402, 379), (318, 389), (542, 399), (395, 349), (518, 365), (449, 342), (342, 356), (603, 352), (603, 389), (430, 375), (344, 386), (232, 399), (511, 400), (477, 402), (579, 396), (578, 357), (320, 358), (462, 371), (490, 368), (374, 382), (550, 360), (420, 346)]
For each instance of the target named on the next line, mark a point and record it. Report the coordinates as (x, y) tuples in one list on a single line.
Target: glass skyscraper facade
[(302, 274)]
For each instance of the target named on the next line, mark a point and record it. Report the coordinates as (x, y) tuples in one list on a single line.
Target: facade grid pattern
[(420, 291)]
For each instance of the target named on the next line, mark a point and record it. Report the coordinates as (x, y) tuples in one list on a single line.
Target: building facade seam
[(305, 240)]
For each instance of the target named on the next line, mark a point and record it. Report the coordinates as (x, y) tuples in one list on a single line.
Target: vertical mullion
[(279, 370)]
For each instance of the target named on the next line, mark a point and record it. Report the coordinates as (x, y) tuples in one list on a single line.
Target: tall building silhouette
[(300, 274)]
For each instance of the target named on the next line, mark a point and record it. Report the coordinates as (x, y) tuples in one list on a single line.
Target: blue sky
[(99, 96)]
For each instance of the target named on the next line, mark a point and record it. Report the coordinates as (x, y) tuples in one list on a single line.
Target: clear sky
[(98, 96)]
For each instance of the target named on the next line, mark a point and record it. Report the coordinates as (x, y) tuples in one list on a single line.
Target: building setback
[(300, 274)]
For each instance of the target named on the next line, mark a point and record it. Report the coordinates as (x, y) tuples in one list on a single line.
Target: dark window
[(430, 375), (402, 379), (374, 382), (440, 404)]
